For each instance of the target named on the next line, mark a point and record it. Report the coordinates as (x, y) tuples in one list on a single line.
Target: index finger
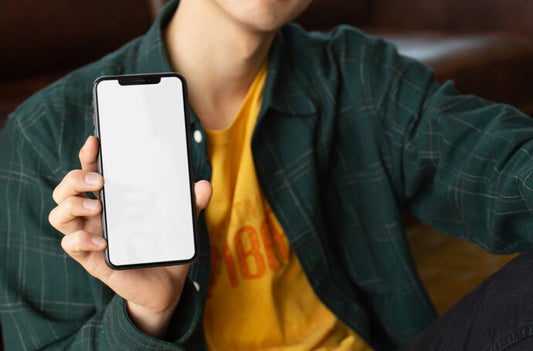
[(76, 183)]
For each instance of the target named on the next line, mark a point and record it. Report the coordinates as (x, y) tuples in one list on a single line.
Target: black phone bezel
[(139, 79)]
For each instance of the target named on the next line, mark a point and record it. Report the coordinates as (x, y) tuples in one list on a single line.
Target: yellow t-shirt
[(258, 297)]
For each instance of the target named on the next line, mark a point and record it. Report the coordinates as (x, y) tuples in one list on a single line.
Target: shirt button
[(197, 135), (196, 286)]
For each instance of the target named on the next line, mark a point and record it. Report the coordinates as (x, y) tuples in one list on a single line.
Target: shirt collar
[(152, 55), (286, 88)]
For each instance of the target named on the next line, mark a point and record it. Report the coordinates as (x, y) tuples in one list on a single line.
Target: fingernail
[(92, 178), (98, 241), (90, 204)]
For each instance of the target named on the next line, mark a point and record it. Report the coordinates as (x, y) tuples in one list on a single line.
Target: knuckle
[(63, 244), (73, 243), (72, 174), (55, 195), (69, 204), (66, 244), (52, 217), (74, 177), (77, 241)]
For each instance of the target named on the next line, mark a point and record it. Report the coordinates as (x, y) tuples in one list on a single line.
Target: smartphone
[(142, 124)]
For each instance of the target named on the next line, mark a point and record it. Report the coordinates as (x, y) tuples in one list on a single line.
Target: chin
[(267, 26), (270, 15)]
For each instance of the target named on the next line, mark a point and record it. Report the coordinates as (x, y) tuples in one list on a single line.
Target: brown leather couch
[(486, 46), (42, 41)]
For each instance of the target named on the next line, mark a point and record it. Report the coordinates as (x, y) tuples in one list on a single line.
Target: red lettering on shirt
[(248, 261), (232, 273), (252, 257)]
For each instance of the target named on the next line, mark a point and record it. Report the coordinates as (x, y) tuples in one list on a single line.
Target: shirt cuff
[(122, 333)]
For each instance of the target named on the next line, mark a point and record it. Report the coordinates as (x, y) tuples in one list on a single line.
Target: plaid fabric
[(348, 136)]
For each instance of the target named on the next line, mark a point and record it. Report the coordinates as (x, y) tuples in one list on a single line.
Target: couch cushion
[(511, 16)]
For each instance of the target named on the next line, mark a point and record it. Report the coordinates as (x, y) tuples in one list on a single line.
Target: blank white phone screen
[(147, 194)]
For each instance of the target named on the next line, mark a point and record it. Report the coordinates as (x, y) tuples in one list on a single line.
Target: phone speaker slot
[(135, 80)]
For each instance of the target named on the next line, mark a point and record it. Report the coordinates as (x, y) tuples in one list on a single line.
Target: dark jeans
[(496, 315)]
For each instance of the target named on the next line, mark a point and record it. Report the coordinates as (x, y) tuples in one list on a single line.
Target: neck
[(218, 57)]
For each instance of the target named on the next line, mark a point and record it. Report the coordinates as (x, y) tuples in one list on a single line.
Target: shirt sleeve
[(462, 164), (47, 300)]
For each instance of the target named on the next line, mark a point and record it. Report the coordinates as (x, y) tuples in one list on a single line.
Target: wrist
[(150, 322)]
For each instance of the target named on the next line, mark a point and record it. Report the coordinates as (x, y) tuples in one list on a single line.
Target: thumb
[(203, 191), (89, 155)]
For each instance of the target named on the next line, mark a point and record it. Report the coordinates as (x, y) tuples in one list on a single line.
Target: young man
[(313, 144)]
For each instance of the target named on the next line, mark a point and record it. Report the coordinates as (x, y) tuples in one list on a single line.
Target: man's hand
[(152, 294)]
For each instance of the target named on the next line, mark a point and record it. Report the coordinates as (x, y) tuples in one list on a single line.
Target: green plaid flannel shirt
[(349, 134)]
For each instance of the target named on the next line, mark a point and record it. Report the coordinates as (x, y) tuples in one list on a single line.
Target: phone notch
[(139, 79)]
